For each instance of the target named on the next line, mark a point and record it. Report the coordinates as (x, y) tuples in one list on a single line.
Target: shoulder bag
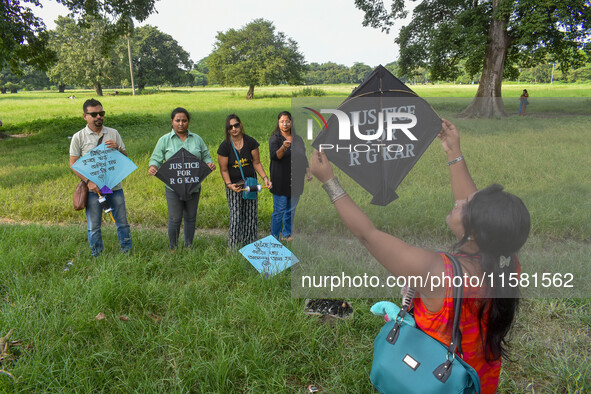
[(80, 196), (248, 181), (81, 192), (408, 360)]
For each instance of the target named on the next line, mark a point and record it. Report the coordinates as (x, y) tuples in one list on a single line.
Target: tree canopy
[(81, 58), (255, 55), (157, 58), (24, 38), (494, 37), (84, 58), (330, 72), (30, 78)]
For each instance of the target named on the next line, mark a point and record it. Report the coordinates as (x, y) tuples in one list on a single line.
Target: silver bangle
[(333, 188), (456, 160)]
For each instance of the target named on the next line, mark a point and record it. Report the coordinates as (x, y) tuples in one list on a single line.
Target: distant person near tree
[(523, 102), (83, 142)]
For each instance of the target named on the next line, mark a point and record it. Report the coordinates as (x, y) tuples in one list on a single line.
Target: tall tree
[(81, 57), (24, 37), (157, 58), (255, 55), (492, 36)]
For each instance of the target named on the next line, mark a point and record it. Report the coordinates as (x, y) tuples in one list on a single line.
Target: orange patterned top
[(439, 326)]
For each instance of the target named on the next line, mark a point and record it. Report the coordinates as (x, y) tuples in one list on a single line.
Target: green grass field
[(202, 320)]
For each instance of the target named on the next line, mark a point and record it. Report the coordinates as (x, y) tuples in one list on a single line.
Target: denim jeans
[(94, 216), (283, 213)]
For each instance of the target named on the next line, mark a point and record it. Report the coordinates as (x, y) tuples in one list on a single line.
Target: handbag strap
[(238, 159), (457, 294)]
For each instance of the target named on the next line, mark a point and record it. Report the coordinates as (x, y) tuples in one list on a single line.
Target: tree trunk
[(488, 102), (62, 88), (250, 94), (130, 66), (98, 89)]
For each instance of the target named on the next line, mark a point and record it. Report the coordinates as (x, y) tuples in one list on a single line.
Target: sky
[(325, 30)]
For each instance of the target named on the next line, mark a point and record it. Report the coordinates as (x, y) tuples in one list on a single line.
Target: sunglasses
[(235, 125), (94, 114)]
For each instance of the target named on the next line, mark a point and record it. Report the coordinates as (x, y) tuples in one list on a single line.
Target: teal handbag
[(248, 181), (408, 360)]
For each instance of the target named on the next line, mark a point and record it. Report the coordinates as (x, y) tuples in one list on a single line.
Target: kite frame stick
[(245, 189), (110, 213)]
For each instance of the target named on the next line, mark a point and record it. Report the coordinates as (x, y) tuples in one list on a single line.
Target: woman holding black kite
[(169, 144), (491, 226)]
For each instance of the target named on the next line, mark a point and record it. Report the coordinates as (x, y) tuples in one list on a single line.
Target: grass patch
[(203, 320), (200, 320)]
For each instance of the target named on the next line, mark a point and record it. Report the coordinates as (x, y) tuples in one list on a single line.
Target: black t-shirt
[(288, 173), (245, 154)]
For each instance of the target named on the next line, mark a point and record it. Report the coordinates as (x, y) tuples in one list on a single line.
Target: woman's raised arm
[(462, 184), (397, 256)]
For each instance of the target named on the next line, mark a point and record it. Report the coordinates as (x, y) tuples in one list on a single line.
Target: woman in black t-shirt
[(288, 168), (243, 213)]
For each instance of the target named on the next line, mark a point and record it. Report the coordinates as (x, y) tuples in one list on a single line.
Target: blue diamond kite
[(269, 256), (104, 166)]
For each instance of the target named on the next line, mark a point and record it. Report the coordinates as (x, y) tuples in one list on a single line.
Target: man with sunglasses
[(83, 142)]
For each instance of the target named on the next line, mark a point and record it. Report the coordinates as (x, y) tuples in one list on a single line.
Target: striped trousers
[(243, 220)]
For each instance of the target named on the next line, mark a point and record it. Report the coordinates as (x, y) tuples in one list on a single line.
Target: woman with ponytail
[(491, 226)]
